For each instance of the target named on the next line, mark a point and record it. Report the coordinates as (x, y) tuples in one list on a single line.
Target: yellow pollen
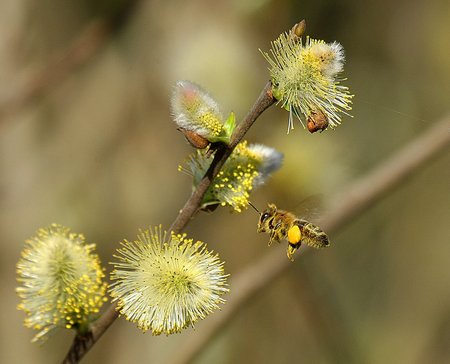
[(294, 234)]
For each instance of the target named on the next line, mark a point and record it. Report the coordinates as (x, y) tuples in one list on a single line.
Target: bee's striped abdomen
[(313, 235)]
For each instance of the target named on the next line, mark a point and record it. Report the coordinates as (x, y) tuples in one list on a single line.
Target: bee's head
[(263, 224)]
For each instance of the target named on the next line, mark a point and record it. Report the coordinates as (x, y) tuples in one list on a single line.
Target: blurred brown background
[(91, 145)]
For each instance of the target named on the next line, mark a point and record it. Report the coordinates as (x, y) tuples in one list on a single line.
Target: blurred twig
[(58, 68), (437, 349), (83, 48), (358, 197), (82, 343), (323, 320)]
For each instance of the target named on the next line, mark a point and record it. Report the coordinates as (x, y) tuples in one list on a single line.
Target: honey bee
[(284, 225)]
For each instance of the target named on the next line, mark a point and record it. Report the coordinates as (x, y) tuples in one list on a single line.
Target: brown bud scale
[(196, 140), (317, 120)]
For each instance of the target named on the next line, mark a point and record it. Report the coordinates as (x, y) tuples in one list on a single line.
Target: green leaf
[(230, 125)]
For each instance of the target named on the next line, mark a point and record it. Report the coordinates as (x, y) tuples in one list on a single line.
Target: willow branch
[(358, 197), (83, 343)]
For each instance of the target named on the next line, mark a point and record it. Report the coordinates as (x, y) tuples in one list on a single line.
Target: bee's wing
[(311, 208)]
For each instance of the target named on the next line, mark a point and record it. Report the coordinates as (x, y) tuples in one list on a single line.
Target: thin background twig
[(323, 320), (82, 49), (94, 35)]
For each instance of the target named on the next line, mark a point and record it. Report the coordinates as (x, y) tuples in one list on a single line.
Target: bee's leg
[(291, 249), (275, 233), (272, 236)]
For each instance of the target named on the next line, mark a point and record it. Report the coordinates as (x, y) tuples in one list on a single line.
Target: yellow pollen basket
[(294, 235)]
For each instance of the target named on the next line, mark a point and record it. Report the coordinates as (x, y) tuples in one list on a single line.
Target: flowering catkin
[(166, 282), (305, 79), (248, 167), (61, 281)]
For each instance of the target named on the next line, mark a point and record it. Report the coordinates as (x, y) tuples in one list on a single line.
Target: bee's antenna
[(254, 207)]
